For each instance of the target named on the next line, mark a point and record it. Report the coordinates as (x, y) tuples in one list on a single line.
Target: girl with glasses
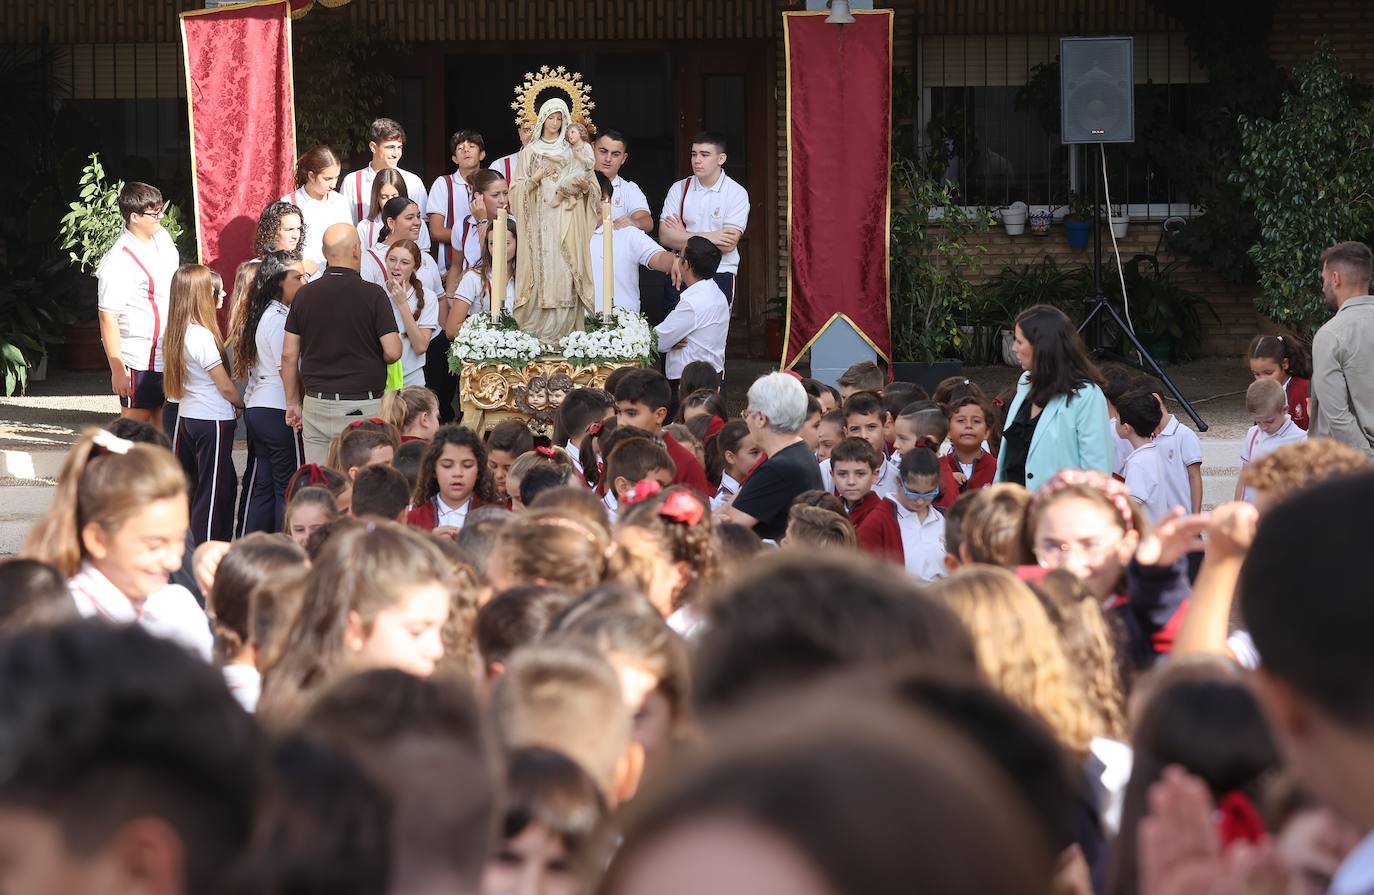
[(907, 528)]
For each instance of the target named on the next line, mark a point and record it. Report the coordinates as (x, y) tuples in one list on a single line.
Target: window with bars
[(990, 106)]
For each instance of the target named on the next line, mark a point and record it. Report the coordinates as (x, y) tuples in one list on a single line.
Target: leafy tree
[(340, 81), (1308, 176)]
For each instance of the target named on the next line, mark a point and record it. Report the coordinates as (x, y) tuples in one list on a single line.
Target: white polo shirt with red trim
[(506, 165), (135, 282), (357, 189), (171, 612), (450, 196), (705, 209)]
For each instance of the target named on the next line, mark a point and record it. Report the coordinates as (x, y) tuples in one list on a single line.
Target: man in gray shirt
[(1343, 350)]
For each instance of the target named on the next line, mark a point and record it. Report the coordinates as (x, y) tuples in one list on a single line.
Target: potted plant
[(1041, 219), (1167, 315), (1078, 222), (1014, 218), (89, 228), (1121, 221), (1016, 288)]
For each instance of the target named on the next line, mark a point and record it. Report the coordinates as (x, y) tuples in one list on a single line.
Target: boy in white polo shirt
[(629, 208), (505, 165), (697, 328), (1137, 417), (387, 140), (631, 248), (1181, 452), (1265, 400), (709, 204), (135, 281), (450, 196)]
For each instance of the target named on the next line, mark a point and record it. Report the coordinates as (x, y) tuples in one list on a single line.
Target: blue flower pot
[(1079, 232)]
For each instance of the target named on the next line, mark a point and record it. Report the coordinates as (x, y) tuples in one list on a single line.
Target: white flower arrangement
[(627, 336), (482, 339)]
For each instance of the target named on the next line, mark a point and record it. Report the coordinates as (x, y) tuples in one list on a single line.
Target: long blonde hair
[(404, 405), (1089, 644), (105, 486), (1019, 650), (192, 301)]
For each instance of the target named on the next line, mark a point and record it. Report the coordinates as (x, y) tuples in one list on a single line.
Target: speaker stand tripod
[(1098, 304)]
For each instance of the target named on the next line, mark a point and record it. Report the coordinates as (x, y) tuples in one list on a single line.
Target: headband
[(1109, 487), (111, 443)]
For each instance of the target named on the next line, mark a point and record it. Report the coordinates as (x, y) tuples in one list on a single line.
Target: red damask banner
[(839, 139), (243, 126)]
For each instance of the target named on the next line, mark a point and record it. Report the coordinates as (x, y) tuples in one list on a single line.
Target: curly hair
[(1294, 467), (691, 544), (1089, 642), (427, 484), (269, 222), (1019, 650)]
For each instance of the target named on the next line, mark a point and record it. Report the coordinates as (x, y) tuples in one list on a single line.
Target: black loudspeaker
[(1096, 90)]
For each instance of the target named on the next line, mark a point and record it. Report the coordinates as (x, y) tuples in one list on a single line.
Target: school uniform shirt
[(1145, 477), (413, 362), (470, 290), (135, 281), (702, 317), (977, 475), (885, 482), (728, 489), (434, 513), (265, 387), (1296, 393), (900, 535), (357, 191), (631, 248), (318, 215), (626, 199), (1179, 448), (574, 454), (1121, 449), (201, 399), (704, 209), (171, 613), (1257, 444), (608, 500), (245, 685), (450, 196), (374, 268), (506, 165)]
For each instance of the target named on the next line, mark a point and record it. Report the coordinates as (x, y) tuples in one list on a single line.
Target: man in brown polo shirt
[(342, 333)]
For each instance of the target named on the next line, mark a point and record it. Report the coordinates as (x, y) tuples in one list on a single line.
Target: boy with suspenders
[(709, 204), (387, 141), (450, 197)]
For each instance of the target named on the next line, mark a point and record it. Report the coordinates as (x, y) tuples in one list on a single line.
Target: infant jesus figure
[(577, 175)]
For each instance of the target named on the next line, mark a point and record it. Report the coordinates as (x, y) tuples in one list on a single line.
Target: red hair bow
[(713, 428), (374, 420), (643, 490), (1240, 821), (595, 428), (544, 451), (682, 507)]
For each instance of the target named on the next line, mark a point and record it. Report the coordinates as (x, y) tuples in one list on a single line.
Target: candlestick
[(500, 267), (607, 265)]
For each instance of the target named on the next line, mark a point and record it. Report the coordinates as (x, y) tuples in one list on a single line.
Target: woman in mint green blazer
[(1059, 417)]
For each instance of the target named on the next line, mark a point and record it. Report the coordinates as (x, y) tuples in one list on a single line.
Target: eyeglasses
[(1055, 555), (931, 496), (151, 213)]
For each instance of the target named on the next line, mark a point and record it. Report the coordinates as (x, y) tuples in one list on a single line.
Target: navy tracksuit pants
[(275, 451), (206, 451)]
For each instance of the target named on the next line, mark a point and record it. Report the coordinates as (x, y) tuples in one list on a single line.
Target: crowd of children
[(497, 663)]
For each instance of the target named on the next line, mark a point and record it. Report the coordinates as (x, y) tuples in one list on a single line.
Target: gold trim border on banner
[(783, 363), (190, 98)]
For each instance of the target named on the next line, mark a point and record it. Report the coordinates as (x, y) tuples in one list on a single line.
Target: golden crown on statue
[(526, 103)]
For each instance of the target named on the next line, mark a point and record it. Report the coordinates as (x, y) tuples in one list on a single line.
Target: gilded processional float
[(519, 357)]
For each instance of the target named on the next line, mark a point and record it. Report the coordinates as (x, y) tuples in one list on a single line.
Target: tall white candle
[(607, 264), (500, 267)]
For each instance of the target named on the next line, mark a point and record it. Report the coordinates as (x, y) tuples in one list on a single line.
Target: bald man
[(342, 334)]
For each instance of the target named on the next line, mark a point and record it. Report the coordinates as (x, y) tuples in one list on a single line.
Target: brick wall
[(1348, 23), (1234, 305)]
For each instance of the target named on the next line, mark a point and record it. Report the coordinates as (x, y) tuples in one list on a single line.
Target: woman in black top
[(775, 414)]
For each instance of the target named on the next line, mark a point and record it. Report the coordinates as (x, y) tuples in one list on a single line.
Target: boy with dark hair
[(127, 765), (408, 458), (580, 410), (543, 477), (1137, 417), (387, 140), (641, 400), (380, 490), (1310, 621), (919, 420), (362, 447), (629, 208), (1180, 451), (861, 377), (696, 329), (1118, 379), (709, 204), (450, 196), (514, 618), (865, 418), (897, 396), (134, 286), (631, 461), (854, 464)]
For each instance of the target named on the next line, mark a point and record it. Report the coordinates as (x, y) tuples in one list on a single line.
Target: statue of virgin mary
[(553, 198)]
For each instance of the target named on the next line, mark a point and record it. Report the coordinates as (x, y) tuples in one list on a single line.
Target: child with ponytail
[(196, 374), (453, 481), (414, 411), (907, 528), (729, 457), (670, 533), (1284, 360), (116, 530)]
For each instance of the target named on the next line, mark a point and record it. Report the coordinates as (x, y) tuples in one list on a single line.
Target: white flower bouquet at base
[(482, 339), (625, 336)]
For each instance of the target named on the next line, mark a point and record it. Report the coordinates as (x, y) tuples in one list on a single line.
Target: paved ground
[(36, 429)]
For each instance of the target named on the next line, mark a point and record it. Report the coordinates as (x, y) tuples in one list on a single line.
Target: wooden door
[(724, 86)]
